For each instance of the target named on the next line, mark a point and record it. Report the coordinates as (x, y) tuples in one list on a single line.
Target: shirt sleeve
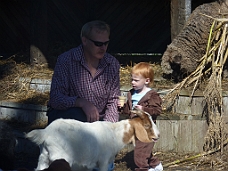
[(59, 98), (111, 113)]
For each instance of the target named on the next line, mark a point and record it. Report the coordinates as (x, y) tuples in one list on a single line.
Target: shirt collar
[(79, 56)]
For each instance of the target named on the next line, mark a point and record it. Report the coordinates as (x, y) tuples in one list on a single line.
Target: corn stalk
[(213, 93), (210, 65)]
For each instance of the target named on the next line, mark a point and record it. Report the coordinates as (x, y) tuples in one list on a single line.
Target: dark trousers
[(143, 156), (72, 113)]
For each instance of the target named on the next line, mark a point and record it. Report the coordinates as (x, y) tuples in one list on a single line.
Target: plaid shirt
[(72, 80)]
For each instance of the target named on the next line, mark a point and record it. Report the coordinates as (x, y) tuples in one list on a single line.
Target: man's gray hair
[(100, 25)]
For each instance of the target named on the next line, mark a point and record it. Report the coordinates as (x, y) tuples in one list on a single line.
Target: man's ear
[(83, 40)]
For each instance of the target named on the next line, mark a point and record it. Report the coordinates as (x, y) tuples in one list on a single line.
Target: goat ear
[(141, 133)]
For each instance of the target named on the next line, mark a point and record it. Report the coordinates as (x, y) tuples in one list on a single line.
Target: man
[(85, 83)]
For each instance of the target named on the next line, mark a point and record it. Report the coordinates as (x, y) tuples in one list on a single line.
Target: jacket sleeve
[(154, 105), (128, 105)]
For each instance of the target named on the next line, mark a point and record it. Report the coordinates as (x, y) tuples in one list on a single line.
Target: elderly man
[(85, 83)]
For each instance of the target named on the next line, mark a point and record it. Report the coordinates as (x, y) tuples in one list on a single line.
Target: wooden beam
[(180, 11), (38, 45)]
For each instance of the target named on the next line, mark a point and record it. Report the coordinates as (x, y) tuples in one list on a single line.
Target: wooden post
[(180, 11), (38, 44)]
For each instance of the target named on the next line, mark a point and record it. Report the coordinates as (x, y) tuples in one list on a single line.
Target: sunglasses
[(99, 44)]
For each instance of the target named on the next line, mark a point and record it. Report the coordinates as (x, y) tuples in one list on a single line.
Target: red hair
[(144, 69)]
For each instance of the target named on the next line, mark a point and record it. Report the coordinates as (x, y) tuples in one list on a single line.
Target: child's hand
[(121, 101), (119, 104), (138, 107)]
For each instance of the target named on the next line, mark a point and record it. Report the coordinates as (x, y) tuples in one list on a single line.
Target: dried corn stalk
[(213, 92), (211, 64)]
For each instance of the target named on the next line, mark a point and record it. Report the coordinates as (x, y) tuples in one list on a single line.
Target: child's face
[(139, 82)]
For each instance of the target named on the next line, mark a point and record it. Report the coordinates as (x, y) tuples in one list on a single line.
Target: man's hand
[(90, 110)]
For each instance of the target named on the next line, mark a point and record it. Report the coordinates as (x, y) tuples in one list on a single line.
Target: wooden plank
[(22, 106), (168, 135), (191, 135), (6, 21), (63, 13), (197, 105), (183, 105), (181, 135), (23, 113)]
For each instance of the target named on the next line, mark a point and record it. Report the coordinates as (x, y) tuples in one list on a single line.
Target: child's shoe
[(157, 168)]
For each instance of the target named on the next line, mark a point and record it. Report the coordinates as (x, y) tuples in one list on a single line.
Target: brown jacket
[(151, 103)]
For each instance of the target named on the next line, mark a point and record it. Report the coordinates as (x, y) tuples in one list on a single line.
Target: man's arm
[(59, 98), (111, 113)]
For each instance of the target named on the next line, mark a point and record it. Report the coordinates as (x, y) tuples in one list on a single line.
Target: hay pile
[(15, 80)]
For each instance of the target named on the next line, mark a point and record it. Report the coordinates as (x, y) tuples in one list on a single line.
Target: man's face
[(96, 45)]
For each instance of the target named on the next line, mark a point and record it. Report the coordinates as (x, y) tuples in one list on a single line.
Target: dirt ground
[(125, 162)]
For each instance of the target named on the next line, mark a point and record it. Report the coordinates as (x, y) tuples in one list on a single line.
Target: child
[(144, 98)]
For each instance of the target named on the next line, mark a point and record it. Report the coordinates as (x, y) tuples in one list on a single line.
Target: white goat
[(88, 145)]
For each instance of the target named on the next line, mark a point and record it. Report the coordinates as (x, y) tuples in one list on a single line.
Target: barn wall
[(136, 26)]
